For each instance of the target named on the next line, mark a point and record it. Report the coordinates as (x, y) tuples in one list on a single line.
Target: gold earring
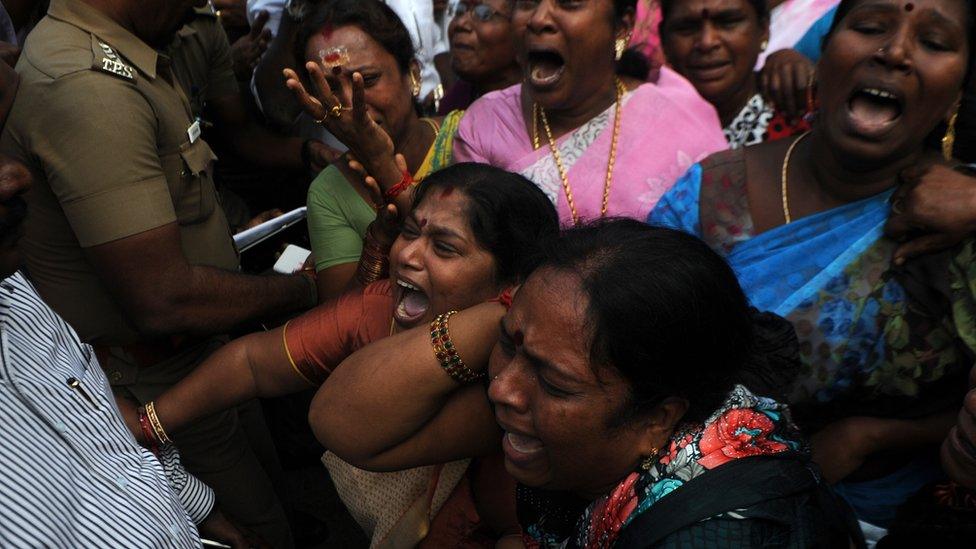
[(949, 139), (619, 46), (764, 45), (648, 463), (415, 85)]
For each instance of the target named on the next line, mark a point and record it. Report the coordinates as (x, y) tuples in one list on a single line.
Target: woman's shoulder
[(329, 182), (678, 97), (330, 190), (499, 101), (777, 501)]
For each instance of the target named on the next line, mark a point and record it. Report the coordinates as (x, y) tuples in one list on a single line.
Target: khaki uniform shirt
[(201, 59), (103, 126)]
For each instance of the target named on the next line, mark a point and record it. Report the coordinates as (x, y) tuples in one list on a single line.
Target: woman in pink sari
[(596, 143)]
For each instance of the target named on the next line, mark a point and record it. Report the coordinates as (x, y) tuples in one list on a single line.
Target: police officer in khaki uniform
[(126, 239), (202, 64)]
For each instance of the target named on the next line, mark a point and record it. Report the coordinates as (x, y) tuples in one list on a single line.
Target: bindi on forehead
[(705, 13), (327, 31), (447, 191), (909, 7), (423, 223)]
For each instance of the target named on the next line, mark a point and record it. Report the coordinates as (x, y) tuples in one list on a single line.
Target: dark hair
[(761, 7), (374, 18), (664, 310), (510, 217)]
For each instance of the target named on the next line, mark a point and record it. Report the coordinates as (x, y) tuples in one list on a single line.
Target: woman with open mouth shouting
[(597, 143), (473, 231), (885, 347), (617, 388)]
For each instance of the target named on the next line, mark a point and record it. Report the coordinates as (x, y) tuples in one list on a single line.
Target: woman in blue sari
[(885, 350)]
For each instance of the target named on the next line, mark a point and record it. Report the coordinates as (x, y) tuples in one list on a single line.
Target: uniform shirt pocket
[(198, 198)]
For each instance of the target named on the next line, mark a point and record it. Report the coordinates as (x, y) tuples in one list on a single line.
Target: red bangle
[(405, 183), (147, 432)]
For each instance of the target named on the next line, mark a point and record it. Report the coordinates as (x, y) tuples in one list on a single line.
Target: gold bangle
[(156, 424), (446, 353)]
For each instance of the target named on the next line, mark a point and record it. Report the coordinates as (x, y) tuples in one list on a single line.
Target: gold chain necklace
[(539, 113), (784, 180)]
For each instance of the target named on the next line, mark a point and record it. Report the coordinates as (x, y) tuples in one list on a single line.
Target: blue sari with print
[(867, 348)]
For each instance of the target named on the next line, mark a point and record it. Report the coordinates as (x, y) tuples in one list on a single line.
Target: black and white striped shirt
[(71, 473)]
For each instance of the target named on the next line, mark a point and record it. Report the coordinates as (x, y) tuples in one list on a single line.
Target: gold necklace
[(539, 113), (783, 178)]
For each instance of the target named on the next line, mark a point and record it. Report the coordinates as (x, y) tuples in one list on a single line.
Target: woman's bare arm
[(391, 405), (253, 366)]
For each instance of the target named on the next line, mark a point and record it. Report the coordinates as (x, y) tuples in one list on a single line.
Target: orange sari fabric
[(320, 339)]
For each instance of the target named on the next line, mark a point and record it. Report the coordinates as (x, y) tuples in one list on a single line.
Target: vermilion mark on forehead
[(423, 223), (909, 6), (448, 191), (704, 14), (518, 338), (326, 31)]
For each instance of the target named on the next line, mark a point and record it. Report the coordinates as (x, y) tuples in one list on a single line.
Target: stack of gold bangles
[(446, 353), (152, 428)]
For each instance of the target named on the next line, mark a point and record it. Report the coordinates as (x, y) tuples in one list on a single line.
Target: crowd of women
[(680, 291)]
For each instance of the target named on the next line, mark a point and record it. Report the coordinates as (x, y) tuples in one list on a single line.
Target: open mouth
[(411, 304), (545, 68), (874, 111), (521, 450)]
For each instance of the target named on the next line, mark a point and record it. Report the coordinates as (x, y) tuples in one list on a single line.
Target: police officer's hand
[(933, 209), (342, 112), (247, 51)]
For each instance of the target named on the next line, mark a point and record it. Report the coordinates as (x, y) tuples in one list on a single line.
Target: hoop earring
[(949, 139)]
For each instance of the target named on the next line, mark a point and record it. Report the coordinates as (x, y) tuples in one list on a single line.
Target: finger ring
[(335, 111)]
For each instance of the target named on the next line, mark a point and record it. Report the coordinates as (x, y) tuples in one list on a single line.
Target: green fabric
[(337, 219)]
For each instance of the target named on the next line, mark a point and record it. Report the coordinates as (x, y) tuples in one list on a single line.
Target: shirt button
[(121, 482), (60, 427), (115, 376)]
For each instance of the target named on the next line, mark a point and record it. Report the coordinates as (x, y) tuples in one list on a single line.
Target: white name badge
[(193, 132)]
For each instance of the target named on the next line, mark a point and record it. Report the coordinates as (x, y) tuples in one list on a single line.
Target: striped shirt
[(71, 473)]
